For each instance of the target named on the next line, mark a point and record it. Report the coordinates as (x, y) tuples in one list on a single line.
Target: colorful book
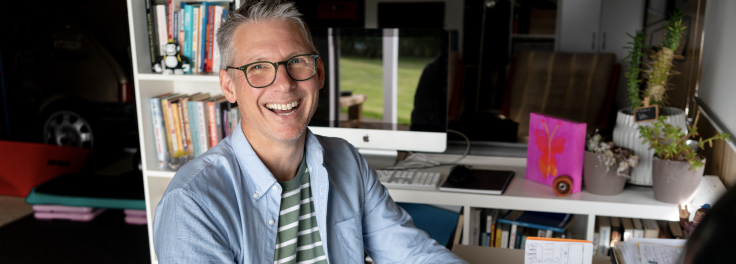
[(187, 48), (210, 37), (556, 147), (215, 50), (196, 23), (203, 14), (498, 233), (170, 20), (512, 236), (159, 130), (555, 222), (187, 130), (212, 123), (169, 124), (179, 140), (519, 235)]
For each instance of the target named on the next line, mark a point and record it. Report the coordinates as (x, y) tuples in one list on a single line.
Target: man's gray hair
[(254, 11)]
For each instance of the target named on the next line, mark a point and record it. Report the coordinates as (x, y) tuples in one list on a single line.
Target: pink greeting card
[(556, 147)]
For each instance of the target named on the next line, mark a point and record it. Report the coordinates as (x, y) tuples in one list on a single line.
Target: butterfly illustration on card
[(549, 145)]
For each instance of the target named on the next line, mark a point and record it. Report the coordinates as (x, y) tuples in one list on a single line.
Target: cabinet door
[(618, 18), (578, 25)]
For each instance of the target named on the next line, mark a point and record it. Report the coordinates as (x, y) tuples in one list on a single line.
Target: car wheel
[(68, 128)]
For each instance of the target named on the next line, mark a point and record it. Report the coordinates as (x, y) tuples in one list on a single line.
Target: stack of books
[(191, 25), (185, 126), (511, 229), (610, 230)]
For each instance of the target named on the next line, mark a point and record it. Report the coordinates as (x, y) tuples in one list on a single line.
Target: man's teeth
[(288, 106)]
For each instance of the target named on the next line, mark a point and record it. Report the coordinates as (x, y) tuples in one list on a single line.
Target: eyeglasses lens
[(300, 68)]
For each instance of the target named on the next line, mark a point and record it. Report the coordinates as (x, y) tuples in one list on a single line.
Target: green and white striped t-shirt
[(297, 239)]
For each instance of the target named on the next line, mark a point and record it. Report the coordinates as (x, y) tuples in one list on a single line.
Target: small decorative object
[(685, 217), (556, 149), (172, 61), (643, 111), (606, 167), (676, 168)]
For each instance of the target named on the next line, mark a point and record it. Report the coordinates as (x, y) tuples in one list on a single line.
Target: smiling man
[(273, 192)]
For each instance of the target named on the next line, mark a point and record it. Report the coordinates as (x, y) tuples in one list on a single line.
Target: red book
[(210, 36), (170, 19), (212, 123)]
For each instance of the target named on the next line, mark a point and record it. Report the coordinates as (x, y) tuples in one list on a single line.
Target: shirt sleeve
[(184, 232), (389, 235)]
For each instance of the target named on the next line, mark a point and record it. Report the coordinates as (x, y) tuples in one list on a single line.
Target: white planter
[(626, 134)]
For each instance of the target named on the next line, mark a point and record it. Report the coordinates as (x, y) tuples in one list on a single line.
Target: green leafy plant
[(612, 156), (670, 142), (661, 66)]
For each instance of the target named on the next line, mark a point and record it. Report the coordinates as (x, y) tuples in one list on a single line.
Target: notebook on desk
[(481, 182)]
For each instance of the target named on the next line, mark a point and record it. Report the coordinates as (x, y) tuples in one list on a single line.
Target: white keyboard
[(409, 179)]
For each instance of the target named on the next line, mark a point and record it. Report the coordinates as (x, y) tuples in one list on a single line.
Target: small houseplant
[(656, 74), (606, 167), (676, 168)]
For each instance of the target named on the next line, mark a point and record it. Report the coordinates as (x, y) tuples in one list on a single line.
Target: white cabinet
[(598, 25)]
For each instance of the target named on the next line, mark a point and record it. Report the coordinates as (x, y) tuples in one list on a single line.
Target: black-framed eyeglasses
[(263, 73)]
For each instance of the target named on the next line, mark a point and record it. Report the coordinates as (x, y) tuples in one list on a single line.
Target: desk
[(491, 255), (633, 202)]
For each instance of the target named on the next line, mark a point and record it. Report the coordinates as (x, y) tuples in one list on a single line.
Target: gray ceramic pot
[(597, 180), (673, 182)]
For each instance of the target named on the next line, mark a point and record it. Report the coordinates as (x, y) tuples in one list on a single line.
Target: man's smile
[(284, 109)]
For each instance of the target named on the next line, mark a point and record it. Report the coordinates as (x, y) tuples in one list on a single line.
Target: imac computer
[(385, 90)]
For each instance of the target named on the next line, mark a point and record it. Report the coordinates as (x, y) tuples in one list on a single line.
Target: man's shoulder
[(334, 144)]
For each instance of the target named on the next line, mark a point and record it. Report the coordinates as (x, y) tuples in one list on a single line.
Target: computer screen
[(385, 89)]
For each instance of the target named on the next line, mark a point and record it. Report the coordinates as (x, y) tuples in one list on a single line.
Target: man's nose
[(283, 81)]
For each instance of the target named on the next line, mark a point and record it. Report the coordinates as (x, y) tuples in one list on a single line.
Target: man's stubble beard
[(301, 130)]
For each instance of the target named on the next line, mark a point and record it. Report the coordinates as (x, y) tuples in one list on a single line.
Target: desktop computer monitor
[(385, 90)]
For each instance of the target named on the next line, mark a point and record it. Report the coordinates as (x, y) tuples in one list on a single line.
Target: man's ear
[(321, 73), (228, 86)]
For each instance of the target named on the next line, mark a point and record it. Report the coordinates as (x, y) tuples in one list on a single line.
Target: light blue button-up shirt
[(223, 207)]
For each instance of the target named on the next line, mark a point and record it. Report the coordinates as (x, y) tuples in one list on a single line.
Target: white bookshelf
[(147, 85), (635, 202)]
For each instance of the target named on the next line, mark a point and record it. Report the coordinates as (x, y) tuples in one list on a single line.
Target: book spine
[(499, 232), (194, 127), (548, 233), (151, 33), (202, 116), (210, 36), (519, 234), (218, 123), (202, 36), (178, 139), (162, 28), (512, 236), (187, 48), (535, 226), (175, 25), (212, 115), (187, 127), (159, 132), (170, 20), (168, 126), (505, 236), (195, 39), (476, 227), (215, 47)]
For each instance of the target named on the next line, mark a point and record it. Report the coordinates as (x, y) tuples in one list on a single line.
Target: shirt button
[(270, 222), (275, 188), (255, 195)]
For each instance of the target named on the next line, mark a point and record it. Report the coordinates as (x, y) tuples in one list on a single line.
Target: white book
[(505, 236), (628, 226), (163, 35), (512, 236), (203, 132), (159, 132), (195, 39), (548, 233), (638, 228), (651, 229), (604, 233), (215, 50)]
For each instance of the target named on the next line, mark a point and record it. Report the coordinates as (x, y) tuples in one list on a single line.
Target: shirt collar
[(257, 176)]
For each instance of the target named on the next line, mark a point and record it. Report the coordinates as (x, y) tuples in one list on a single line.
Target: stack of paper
[(540, 250), (649, 250)]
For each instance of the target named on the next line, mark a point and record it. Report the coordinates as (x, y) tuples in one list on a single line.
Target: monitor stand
[(379, 158)]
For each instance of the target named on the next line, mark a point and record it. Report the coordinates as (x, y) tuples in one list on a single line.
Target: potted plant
[(677, 168), (626, 133), (606, 167)]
